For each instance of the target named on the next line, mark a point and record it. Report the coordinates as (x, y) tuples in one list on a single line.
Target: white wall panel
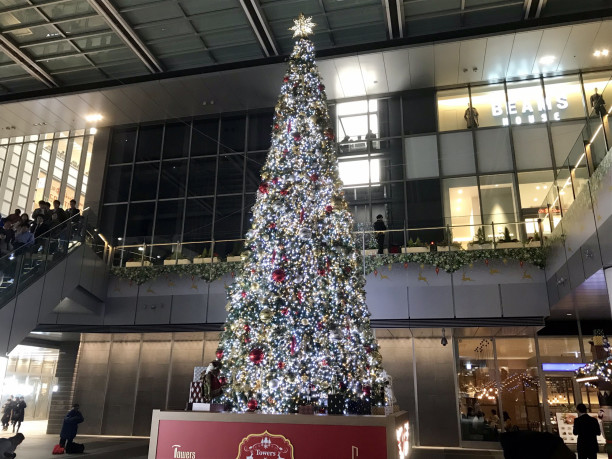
[(328, 72), (422, 70), (373, 73), (524, 52), (552, 44), (579, 45), (447, 63), (350, 76), (397, 69), (471, 55)]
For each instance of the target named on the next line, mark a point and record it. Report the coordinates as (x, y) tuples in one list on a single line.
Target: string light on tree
[(297, 324)]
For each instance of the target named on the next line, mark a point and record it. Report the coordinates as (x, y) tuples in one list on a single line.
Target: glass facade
[(474, 155), (47, 166)]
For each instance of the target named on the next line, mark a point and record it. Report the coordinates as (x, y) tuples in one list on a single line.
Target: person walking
[(9, 445), (18, 413), (7, 410), (69, 430), (587, 429), (380, 228)]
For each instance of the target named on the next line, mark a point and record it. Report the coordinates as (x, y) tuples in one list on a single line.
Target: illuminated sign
[(561, 366), (530, 111)]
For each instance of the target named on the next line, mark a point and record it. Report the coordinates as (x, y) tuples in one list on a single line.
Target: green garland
[(447, 261)]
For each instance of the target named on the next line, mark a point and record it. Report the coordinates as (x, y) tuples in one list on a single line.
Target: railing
[(23, 265), (586, 154), (494, 235)]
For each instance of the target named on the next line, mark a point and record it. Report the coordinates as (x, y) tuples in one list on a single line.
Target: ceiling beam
[(260, 26), (19, 57), (395, 18), (127, 34)]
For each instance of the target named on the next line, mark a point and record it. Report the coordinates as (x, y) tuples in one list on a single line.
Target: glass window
[(230, 174), (531, 147), (260, 127), (122, 145), (454, 110), (232, 134), (176, 140), (457, 153), (169, 221), (564, 349), (600, 82), (461, 207), (255, 162), (359, 171), (490, 103), (117, 185), (172, 181), (564, 98), (140, 222), (421, 157), (493, 150), (198, 219), (149, 143), (356, 118), (525, 104), (202, 176), (419, 111), (564, 137), (144, 186), (478, 390), (204, 137), (499, 204), (391, 158), (533, 188), (520, 384), (389, 118), (228, 218), (424, 209)]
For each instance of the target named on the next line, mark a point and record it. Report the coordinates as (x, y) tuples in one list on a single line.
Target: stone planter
[(485, 246), (534, 244), (509, 245), (200, 260), (137, 264), (234, 259), (415, 249), (368, 252), (445, 248), (180, 261)]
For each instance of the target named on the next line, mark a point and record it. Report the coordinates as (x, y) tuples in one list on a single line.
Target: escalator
[(62, 271)]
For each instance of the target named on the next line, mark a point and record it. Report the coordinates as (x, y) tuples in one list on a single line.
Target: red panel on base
[(221, 440)]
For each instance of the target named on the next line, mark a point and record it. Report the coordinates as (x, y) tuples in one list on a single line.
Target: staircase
[(61, 272)]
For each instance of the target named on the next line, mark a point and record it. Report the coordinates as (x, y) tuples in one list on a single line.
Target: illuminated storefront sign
[(530, 111), (403, 440)]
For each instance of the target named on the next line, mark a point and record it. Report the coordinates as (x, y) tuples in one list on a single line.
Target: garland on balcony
[(446, 261)]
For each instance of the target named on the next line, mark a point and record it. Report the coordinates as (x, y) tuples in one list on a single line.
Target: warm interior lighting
[(601, 53), (92, 131), (460, 191), (93, 118)]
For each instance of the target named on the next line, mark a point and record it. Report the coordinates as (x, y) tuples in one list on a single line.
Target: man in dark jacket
[(587, 429), (18, 413), (7, 410), (70, 426), (380, 228), (9, 445)]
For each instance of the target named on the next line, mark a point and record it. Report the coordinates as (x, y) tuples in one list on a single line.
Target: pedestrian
[(7, 410), (380, 228), (9, 445), (18, 413), (587, 429), (69, 430)]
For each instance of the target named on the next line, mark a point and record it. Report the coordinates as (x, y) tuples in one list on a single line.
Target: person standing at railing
[(598, 103), (73, 213), (23, 237), (43, 211), (380, 228), (57, 209), (14, 217), (6, 238)]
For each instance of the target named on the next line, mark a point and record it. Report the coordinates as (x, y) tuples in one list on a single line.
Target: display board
[(565, 422), (197, 435)]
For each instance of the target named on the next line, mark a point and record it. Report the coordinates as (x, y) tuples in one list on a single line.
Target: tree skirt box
[(335, 404), (359, 407), (212, 407), (382, 410), (306, 409), (198, 372), (195, 393)]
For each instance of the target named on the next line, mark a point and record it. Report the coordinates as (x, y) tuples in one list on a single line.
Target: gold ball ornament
[(305, 321), (376, 356), (266, 315), (304, 378), (228, 306)]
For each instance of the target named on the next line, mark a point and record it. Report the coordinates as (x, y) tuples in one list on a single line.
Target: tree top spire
[(303, 26)]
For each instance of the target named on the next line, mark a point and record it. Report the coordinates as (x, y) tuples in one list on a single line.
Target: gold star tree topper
[(303, 26)]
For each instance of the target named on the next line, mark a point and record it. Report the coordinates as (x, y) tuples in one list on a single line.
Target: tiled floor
[(38, 445)]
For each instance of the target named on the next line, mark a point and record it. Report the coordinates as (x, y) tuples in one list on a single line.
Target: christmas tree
[(298, 325)]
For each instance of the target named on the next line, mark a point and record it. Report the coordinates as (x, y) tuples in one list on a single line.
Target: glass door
[(561, 397)]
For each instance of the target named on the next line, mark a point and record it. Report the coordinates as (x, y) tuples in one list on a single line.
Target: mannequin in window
[(471, 117), (599, 104)]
